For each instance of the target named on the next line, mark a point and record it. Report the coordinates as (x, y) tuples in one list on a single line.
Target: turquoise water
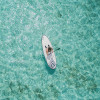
[(74, 26)]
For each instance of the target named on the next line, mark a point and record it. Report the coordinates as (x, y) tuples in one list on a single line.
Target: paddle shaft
[(56, 49)]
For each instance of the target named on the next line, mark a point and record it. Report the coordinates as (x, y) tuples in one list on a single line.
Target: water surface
[(72, 26)]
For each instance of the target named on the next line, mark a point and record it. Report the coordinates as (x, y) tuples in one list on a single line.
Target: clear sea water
[(73, 26)]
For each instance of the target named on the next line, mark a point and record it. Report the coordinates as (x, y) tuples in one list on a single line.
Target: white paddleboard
[(52, 61)]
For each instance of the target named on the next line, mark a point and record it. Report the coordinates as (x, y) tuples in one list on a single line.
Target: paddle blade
[(58, 49)]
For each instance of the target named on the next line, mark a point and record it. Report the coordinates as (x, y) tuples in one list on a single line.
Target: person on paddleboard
[(49, 50)]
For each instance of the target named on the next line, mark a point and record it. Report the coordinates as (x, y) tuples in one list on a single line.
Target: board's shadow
[(50, 71)]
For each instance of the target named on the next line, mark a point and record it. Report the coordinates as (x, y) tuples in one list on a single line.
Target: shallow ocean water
[(72, 26)]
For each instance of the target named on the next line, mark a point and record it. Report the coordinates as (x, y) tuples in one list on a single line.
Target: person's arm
[(52, 50), (46, 51)]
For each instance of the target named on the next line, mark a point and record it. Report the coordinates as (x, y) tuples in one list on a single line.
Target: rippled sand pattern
[(74, 26)]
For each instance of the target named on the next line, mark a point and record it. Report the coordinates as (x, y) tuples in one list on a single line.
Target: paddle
[(56, 49)]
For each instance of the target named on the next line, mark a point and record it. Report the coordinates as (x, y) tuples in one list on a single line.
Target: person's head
[(49, 49)]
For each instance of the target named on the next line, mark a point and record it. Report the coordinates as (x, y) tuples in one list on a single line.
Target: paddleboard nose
[(43, 37)]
